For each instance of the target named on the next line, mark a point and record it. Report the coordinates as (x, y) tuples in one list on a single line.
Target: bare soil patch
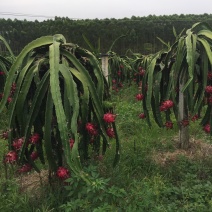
[(32, 182), (197, 150)]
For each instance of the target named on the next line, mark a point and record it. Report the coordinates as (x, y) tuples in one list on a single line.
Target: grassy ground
[(153, 173)]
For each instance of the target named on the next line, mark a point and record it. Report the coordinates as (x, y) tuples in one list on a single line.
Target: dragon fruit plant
[(57, 107), (179, 80), (6, 62)]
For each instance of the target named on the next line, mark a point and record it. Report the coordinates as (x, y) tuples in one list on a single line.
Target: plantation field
[(153, 173)]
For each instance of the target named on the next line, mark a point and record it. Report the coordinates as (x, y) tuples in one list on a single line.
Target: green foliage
[(182, 68), (140, 30), (120, 71), (68, 87), (191, 191), (8, 47), (59, 89), (168, 46), (141, 182), (192, 63), (6, 61), (98, 196), (10, 198), (97, 51)]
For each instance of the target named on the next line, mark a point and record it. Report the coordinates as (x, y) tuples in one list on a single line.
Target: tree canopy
[(142, 32)]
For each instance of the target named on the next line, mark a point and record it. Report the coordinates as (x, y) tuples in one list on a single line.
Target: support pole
[(104, 58), (183, 130)]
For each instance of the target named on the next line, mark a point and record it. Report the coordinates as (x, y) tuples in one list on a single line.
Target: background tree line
[(141, 32)]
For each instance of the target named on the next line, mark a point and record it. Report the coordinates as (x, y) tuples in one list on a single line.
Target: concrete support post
[(104, 59)]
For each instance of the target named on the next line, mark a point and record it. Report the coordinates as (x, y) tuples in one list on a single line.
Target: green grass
[(140, 182)]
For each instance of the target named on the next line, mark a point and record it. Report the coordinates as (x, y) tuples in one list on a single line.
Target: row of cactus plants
[(60, 89), (176, 80), (57, 111)]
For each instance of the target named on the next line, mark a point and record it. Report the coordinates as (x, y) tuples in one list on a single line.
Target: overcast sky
[(101, 9)]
